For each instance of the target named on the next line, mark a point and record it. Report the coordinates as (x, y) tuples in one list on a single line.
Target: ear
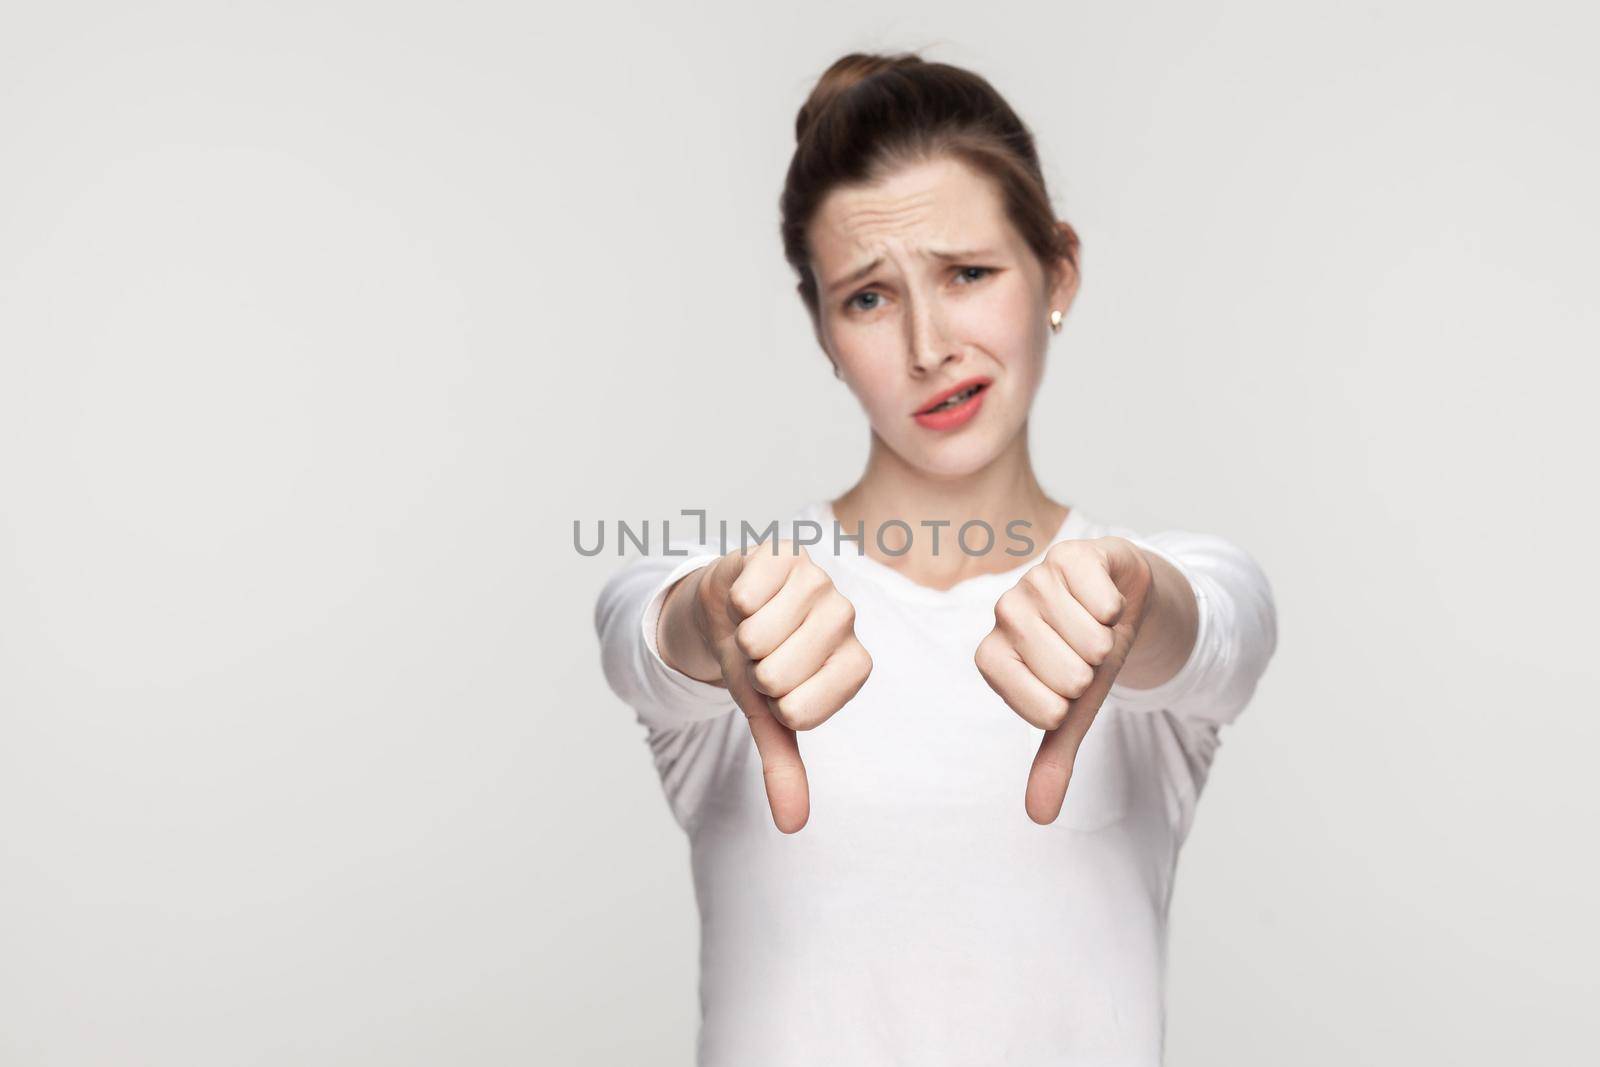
[(1065, 276)]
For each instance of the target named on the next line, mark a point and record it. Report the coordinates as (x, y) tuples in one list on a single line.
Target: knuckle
[(987, 648), (1054, 713), (766, 677), (793, 712), (743, 600), (1007, 610), (780, 708), (813, 578), (744, 638), (1086, 679), (854, 663), (847, 610), (1073, 554)]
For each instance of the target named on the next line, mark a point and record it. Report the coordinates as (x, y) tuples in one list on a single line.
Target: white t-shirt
[(921, 917)]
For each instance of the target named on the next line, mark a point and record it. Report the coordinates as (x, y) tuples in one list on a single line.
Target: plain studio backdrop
[(321, 325)]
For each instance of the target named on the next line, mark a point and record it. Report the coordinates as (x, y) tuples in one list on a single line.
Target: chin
[(955, 457)]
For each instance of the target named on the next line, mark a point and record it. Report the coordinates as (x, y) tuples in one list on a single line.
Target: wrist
[(680, 633), (1158, 649)]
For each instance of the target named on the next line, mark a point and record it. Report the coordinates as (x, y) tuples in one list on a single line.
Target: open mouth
[(955, 400)]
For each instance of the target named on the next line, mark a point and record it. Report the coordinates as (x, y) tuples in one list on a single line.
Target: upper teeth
[(952, 401)]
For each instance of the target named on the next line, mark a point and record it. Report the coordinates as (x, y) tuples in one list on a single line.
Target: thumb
[(1058, 749), (1052, 767), (788, 792)]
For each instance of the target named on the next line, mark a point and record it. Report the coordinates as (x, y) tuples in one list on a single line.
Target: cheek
[(1003, 326), (878, 391), (1011, 341)]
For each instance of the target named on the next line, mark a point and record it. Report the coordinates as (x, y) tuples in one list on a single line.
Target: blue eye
[(961, 272)]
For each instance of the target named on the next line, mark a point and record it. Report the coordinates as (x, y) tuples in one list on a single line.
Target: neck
[(1001, 492)]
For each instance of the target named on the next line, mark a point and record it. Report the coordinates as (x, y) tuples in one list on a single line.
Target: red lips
[(959, 387)]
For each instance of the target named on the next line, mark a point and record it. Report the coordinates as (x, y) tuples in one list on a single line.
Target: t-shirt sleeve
[(625, 618), (1237, 635)]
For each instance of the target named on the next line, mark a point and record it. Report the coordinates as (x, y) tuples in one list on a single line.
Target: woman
[(920, 918)]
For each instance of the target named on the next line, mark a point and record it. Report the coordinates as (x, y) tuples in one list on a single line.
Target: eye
[(961, 272), (851, 303)]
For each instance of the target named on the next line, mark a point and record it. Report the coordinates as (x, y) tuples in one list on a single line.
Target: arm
[(1207, 638), (627, 620)]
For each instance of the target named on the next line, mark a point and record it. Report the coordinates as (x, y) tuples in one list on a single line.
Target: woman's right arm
[(628, 618)]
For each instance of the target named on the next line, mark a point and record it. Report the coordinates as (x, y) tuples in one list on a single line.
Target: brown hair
[(869, 114)]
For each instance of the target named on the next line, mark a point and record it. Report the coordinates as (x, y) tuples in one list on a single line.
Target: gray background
[(321, 324)]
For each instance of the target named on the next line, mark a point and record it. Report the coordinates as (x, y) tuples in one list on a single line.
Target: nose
[(930, 344)]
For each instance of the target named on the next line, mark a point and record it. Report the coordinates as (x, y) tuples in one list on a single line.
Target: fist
[(785, 640), (1060, 636)]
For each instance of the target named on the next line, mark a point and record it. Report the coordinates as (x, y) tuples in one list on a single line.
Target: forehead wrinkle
[(875, 218), (868, 228)]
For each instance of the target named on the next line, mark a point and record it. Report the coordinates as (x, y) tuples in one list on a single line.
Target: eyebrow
[(866, 269)]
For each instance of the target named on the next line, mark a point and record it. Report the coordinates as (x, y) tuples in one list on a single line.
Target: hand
[(1061, 635), (785, 640)]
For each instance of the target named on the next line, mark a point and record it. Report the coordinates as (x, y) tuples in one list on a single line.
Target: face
[(924, 286)]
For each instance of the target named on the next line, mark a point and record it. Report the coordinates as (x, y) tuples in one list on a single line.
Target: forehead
[(942, 203)]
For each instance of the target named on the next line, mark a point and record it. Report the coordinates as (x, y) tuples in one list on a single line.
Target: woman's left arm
[(1209, 631)]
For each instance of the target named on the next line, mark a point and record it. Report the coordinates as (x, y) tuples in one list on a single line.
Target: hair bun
[(846, 73)]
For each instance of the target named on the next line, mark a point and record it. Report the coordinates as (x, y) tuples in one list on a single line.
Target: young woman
[(924, 916)]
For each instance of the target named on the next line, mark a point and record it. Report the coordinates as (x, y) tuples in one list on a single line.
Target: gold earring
[(1055, 320)]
